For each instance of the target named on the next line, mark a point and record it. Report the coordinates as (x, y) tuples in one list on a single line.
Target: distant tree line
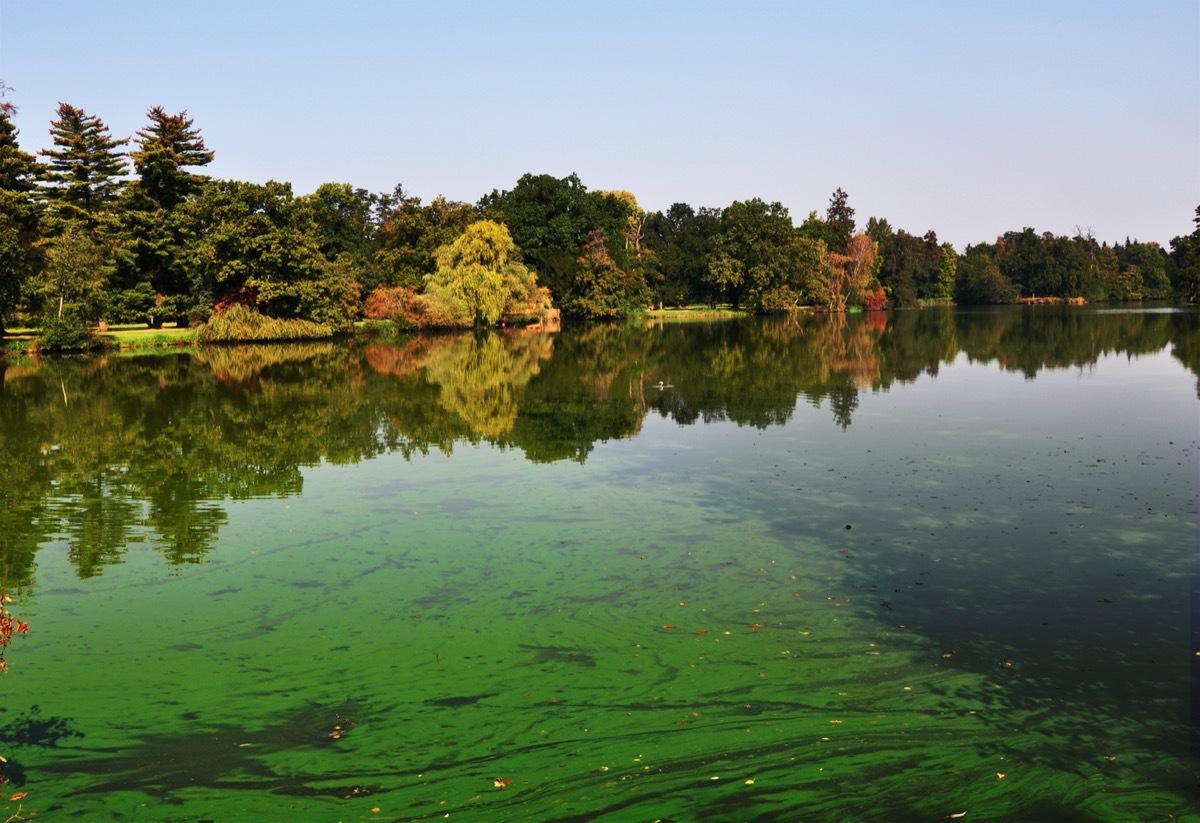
[(128, 230)]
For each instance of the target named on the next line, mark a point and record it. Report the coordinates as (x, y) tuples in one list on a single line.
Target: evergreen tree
[(85, 167), (164, 150), (19, 214), (839, 217), (150, 279)]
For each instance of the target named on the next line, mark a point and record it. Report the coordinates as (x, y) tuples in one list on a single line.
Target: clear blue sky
[(970, 118)]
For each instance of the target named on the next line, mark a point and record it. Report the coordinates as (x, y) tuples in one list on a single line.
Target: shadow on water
[(223, 758)]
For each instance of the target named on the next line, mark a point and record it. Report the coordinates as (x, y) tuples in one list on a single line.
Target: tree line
[(128, 230)]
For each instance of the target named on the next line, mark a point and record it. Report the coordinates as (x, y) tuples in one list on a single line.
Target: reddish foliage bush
[(242, 297), (9, 626), (388, 303), (875, 300)]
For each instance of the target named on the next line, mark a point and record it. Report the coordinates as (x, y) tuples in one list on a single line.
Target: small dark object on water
[(1006, 663), (847, 527)]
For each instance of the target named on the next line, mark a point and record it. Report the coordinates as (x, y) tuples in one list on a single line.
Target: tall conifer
[(165, 148), (85, 166), (19, 213)]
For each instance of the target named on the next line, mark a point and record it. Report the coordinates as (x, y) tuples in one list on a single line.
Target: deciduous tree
[(72, 283), (481, 276), (852, 273), (554, 223), (1185, 254)]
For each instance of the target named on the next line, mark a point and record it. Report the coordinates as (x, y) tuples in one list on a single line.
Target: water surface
[(887, 567)]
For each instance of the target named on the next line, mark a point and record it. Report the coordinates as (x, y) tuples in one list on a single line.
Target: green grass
[(697, 311), (11, 345), (140, 337), (132, 336)]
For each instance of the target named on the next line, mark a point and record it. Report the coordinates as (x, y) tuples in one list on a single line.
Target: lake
[(875, 567)]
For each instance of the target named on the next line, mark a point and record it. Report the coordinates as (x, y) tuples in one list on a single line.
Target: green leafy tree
[(20, 216), (549, 220), (341, 219), (72, 284), (1185, 254), (751, 255), (680, 241), (1108, 268), (257, 245), (407, 236), (947, 273), (634, 230), (554, 223), (1043, 265), (979, 279), (1143, 273), (85, 168), (602, 287)]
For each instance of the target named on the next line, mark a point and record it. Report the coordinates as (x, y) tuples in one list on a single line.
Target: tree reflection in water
[(118, 449)]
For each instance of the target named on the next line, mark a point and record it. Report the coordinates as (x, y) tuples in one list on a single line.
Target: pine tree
[(19, 214), (165, 148), (85, 167), (150, 277), (839, 217)]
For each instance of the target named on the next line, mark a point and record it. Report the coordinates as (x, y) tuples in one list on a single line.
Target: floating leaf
[(501, 782)]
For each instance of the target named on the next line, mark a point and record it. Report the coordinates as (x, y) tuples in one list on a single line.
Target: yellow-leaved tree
[(480, 278)]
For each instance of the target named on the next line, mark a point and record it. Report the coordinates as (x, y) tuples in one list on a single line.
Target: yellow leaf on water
[(750, 782), (999, 775)]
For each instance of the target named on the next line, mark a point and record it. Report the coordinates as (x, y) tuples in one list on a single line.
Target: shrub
[(65, 333), (875, 300), (240, 324), (409, 310), (388, 303)]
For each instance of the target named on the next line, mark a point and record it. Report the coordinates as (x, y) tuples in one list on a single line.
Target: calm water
[(876, 569)]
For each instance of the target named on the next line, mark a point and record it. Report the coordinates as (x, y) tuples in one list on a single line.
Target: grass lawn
[(698, 311), (117, 337), (140, 337)]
